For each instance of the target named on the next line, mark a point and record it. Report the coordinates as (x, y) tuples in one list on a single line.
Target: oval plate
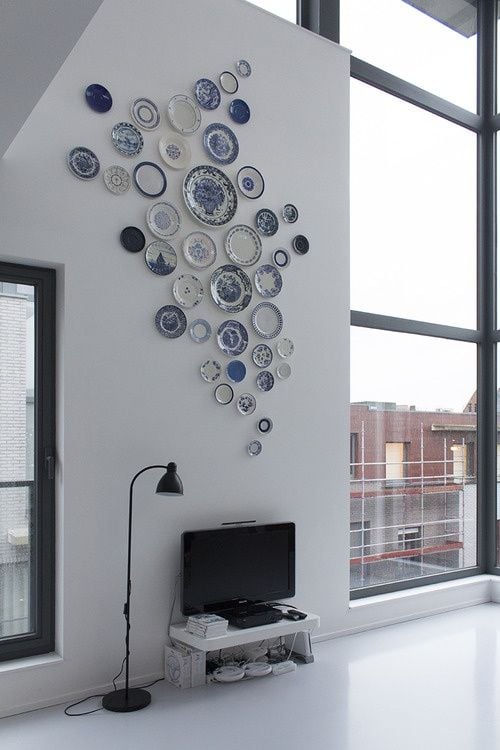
[(149, 179), (170, 321), (184, 114), (163, 219), (267, 320), (243, 245), (231, 289), (221, 143), (98, 98), (175, 151), (145, 114), (83, 163), (210, 195), (232, 338), (127, 139)]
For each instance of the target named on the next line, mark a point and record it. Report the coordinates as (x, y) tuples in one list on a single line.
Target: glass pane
[(413, 506), (414, 46), (16, 455), (413, 212), (284, 8)]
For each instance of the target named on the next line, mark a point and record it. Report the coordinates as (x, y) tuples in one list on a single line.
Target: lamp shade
[(170, 483)]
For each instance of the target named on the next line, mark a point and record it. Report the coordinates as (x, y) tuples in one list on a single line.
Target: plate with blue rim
[(231, 288), (220, 143), (267, 320), (170, 321), (232, 338), (127, 139), (210, 195), (250, 182), (239, 111), (266, 222), (200, 330), (207, 93)]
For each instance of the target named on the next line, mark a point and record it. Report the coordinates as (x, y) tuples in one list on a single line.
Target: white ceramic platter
[(243, 245), (175, 151), (199, 250), (184, 114), (285, 348), (187, 290), (163, 219)]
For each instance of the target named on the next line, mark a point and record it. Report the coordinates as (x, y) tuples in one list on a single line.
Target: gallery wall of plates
[(240, 267)]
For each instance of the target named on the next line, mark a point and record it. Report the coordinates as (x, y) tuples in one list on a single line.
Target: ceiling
[(36, 36)]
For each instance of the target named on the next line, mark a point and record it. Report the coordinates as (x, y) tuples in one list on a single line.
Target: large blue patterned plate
[(232, 338), (207, 93), (220, 143), (231, 289), (170, 321), (210, 195)]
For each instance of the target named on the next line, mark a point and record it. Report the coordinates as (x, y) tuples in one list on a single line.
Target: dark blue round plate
[(236, 371), (239, 111), (132, 239), (98, 98)]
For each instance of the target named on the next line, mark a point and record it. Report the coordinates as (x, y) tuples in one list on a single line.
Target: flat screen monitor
[(224, 567)]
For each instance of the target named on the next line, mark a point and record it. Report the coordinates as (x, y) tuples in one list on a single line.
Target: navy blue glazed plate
[(98, 98), (239, 111)]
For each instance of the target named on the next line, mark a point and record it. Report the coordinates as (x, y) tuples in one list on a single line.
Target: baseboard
[(495, 589), (67, 698)]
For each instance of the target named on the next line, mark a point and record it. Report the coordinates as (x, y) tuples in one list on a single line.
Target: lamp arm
[(126, 606)]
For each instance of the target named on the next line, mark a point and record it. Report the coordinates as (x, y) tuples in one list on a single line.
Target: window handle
[(49, 465)]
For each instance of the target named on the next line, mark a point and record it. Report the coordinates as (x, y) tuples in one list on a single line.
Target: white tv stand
[(289, 629)]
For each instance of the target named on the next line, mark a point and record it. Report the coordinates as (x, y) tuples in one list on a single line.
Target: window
[(353, 454), (395, 460), (27, 440)]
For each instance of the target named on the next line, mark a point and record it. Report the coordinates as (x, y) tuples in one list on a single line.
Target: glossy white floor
[(429, 684)]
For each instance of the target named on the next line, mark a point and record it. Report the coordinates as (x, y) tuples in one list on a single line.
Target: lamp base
[(117, 700)]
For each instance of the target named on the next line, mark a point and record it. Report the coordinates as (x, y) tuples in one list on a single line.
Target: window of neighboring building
[(360, 538), (353, 453), (395, 460), (27, 440)]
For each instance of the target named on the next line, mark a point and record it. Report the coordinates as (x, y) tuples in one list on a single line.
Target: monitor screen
[(225, 565)]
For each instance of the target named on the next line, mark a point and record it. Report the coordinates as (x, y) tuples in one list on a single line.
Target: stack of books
[(206, 625)]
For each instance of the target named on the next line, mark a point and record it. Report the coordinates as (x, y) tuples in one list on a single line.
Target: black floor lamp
[(133, 699)]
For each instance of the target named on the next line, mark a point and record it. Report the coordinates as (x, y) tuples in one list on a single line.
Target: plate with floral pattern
[(231, 289), (199, 250), (221, 143), (265, 380), (210, 195), (127, 139), (262, 355), (243, 245), (211, 370), (207, 93), (170, 321), (246, 404), (268, 281), (163, 219), (266, 222), (116, 179), (232, 338), (254, 448), (83, 163), (243, 68), (250, 182), (175, 151)]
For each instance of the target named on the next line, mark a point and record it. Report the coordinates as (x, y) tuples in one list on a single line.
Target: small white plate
[(187, 290), (163, 219), (211, 370), (199, 250), (200, 330), (243, 245), (254, 449), (250, 182), (283, 370), (224, 395), (116, 179), (267, 320), (184, 114), (145, 114), (285, 348), (228, 82), (246, 404), (175, 151)]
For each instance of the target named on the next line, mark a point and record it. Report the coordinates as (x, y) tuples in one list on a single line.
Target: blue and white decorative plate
[(265, 425), (236, 371), (211, 370), (262, 355), (174, 151), (266, 222), (231, 289), (127, 139), (210, 195), (224, 394), (199, 250), (149, 179), (184, 114), (243, 245), (220, 143), (268, 281), (187, 290), (116, 179), (200, 330), (267, 320), (290, 213), (207, 93), (283, 370), (228, 82), (243, 68), (300, 244), (232, 338), (160, 258), (83, 163), (170, 321), (145, 113), (246, 404), (281, 257), (239, 111), (163, 219), (250, 182), (285, 348), (98, 98), (254, 448), (265, 380)]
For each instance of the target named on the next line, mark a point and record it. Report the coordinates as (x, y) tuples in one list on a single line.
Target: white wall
[(127, 396)]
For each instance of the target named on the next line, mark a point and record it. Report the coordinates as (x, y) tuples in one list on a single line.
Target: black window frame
[(323, 17), (42, 527)]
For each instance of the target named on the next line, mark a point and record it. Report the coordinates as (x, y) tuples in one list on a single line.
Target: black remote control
[(294, 614)]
